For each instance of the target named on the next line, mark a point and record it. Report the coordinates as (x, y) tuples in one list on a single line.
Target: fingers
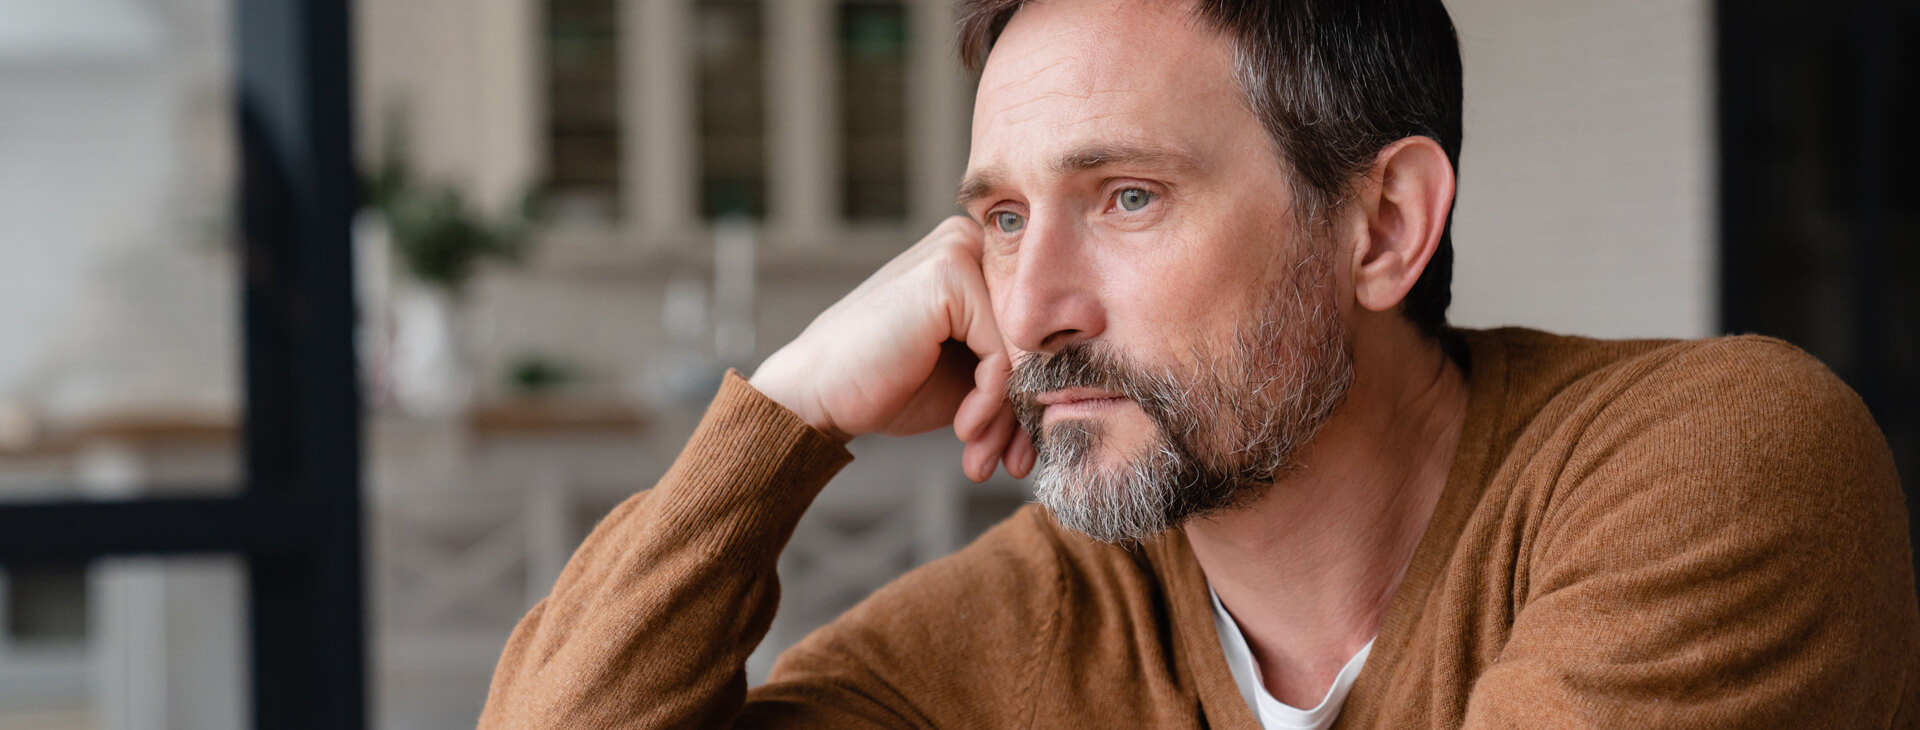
[(986, 422), (986, 400), (981, 455), (995, 437), (1020, 455)]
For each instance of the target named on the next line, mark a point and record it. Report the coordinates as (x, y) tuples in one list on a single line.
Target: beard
[(1224, 432)]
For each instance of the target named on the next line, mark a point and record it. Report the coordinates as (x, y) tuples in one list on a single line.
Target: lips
[(1074, 403), (1077, 396)]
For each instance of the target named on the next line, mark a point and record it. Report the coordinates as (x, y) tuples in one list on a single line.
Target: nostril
[(1059, 339)]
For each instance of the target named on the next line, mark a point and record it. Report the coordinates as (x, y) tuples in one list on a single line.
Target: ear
[(1404, 201)]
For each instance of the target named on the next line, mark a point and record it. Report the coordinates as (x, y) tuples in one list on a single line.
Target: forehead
[(1068, 74)]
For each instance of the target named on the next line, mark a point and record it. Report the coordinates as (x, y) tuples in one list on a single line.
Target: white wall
[(117, 290), (115, 162), (1586, 201)]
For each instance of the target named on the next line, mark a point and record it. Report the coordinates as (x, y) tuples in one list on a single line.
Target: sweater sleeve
[(962, 641), (1725, 546), (651, 621)]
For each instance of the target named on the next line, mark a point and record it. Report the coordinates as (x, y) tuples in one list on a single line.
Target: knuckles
[(958, 224), (937, 273), (949, 250), (956, 231)]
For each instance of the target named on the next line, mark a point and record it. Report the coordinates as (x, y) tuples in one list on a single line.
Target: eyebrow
[(982, 183)]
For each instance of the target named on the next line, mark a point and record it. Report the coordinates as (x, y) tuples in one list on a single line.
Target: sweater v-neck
[(1196, 641)]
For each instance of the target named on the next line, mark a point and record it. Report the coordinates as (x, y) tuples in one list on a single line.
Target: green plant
[(537, 374), (438, 236)]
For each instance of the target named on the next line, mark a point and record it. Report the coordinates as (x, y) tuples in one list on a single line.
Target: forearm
[(652, 620)]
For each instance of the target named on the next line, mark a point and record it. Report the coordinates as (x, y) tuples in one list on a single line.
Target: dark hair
[(1334, 82)]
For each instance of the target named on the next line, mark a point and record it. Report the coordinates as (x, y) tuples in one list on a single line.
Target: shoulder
[(1696, 515), (1740, 465), (1744, 407), (1742, 373), (1744, 418), (1736, 462), (1759, 399)]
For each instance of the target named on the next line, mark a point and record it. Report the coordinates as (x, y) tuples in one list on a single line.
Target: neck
[(1308, 569)]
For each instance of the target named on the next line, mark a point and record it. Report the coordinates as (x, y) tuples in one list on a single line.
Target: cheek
[(992, 270), (1190, 302), (1168, 302)]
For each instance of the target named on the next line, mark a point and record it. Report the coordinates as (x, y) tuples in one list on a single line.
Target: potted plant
[(439, 240)]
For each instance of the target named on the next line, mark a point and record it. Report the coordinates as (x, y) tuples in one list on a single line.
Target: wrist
[(774, 383)]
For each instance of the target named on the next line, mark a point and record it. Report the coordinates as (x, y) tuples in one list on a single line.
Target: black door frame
[(1812, 102), (297, 517)]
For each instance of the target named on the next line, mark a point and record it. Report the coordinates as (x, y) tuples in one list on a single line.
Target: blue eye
[(1009, 222), (1132, 199)]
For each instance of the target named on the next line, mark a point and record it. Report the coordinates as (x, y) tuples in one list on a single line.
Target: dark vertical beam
[(1872, 30), (1732, 44), (303, 422), (1869, 25), (1816, 243)]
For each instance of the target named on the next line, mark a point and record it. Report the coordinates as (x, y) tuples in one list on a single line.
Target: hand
[(912, 349)]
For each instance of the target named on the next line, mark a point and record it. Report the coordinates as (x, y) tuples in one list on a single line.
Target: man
[(1200, 293)]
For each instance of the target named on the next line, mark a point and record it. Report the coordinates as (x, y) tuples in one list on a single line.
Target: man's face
[(1176, 337)]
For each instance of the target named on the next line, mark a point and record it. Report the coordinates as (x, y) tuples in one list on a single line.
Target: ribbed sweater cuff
[(750, 470)]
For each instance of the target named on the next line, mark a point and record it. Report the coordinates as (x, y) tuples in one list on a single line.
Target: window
[(583, 109), (873, 122), (729, 50)]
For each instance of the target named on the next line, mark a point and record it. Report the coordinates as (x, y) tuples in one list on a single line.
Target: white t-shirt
[(1274, 714)]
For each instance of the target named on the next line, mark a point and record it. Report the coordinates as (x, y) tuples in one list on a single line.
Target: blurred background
[(328, 329)]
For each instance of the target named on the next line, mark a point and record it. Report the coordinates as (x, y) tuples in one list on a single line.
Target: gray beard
[(1223, 433)]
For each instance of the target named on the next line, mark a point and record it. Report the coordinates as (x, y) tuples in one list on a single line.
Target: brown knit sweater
[(1633, 535)]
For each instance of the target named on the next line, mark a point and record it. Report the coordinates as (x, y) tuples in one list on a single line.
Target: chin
[(1128, 489), (1111, 492), (1124, 431)]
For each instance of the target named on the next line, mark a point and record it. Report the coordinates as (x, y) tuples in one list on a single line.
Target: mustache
[(1085, 365), (1076, 366)]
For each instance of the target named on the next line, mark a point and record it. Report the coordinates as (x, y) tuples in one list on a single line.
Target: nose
[(1052, 297)]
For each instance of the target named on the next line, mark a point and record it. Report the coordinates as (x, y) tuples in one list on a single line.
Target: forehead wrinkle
[(1062, 70), (1083, 97)]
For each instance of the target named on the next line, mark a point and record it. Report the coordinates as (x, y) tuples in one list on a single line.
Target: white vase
[(431, 373)]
